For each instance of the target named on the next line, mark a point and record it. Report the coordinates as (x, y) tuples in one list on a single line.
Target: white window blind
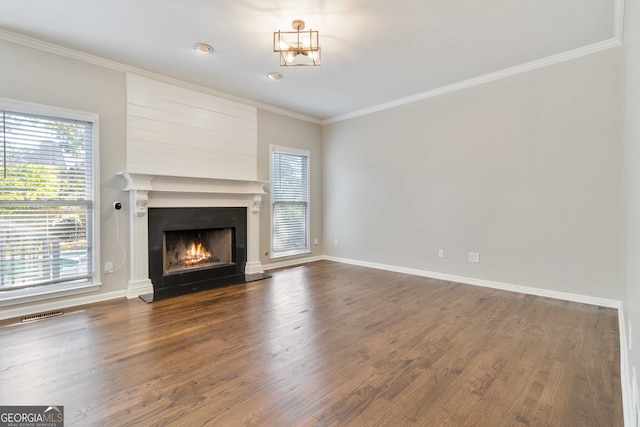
[(290, 203), (46, 201)]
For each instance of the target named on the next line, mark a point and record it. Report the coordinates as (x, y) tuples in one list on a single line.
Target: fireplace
[(155, 193), (187, 250), (193, 249)]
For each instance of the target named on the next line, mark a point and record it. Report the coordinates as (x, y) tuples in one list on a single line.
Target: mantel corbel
[(136, 181), (256, 202)]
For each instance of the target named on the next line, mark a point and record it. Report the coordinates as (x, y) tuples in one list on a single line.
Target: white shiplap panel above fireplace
[(181, 132)]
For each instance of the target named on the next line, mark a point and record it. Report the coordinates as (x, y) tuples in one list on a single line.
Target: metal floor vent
[(41, 316)]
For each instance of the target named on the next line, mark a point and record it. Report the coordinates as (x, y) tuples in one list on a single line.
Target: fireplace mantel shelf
[(182, 184)]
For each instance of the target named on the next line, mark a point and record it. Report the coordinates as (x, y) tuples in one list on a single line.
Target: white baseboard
[(292, 262), (625, 372), (59, 304), (585, 299)]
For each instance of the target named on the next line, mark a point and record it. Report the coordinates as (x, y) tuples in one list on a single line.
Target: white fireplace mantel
[(175, 191), (182, 184)]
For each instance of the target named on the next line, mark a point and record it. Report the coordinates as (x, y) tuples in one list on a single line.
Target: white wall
[(182, 132), (631, 299), (525, 170)]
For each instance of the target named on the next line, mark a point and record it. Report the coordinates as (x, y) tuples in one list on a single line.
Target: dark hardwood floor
[(323, 344)]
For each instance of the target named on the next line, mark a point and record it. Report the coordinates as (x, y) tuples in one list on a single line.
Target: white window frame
[(39, 293), (299, 152)]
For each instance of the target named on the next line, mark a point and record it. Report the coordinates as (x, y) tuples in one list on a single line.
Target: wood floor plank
[(325, 344)]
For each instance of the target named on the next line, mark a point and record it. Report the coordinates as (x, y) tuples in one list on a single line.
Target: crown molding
[(117, 66), (519, 69), (614, 42)]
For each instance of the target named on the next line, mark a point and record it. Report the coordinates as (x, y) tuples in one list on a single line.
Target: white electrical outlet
[(474, 257), (441, 253), (108, 267), (335, 241), (315, 241)]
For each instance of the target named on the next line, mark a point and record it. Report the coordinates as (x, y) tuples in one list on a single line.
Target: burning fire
[(195, 255)]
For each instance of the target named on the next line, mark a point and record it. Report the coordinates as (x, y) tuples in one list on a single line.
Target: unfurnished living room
[(320, 213)]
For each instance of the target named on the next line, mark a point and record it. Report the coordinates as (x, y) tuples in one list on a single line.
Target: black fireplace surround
[(175, 219)]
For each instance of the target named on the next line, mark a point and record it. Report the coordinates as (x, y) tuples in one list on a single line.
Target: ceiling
[(373, 51)]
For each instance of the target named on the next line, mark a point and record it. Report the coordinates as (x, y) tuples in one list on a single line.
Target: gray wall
[(631, 297), (276, 129), (525, 170), (35, 76)]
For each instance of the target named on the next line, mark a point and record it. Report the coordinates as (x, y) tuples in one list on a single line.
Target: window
[(47, 210), (289, 202)]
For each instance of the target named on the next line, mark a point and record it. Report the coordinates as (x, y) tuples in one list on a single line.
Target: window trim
[(22, 295), (299, 152)]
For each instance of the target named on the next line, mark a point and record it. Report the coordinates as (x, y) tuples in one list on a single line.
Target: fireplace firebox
[(186, 250), (193, 249)]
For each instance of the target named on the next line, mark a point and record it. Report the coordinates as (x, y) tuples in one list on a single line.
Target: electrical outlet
[(108, 267), (335, 241), (315, 241), (474, 257), (441, 253)]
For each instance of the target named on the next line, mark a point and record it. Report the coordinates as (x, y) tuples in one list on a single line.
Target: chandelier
[(297, 48)]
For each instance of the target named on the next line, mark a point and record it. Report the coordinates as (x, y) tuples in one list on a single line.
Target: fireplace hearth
[(194, 249)]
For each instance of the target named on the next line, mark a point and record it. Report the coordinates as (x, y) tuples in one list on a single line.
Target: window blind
[(290, 203), (46, 200)]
